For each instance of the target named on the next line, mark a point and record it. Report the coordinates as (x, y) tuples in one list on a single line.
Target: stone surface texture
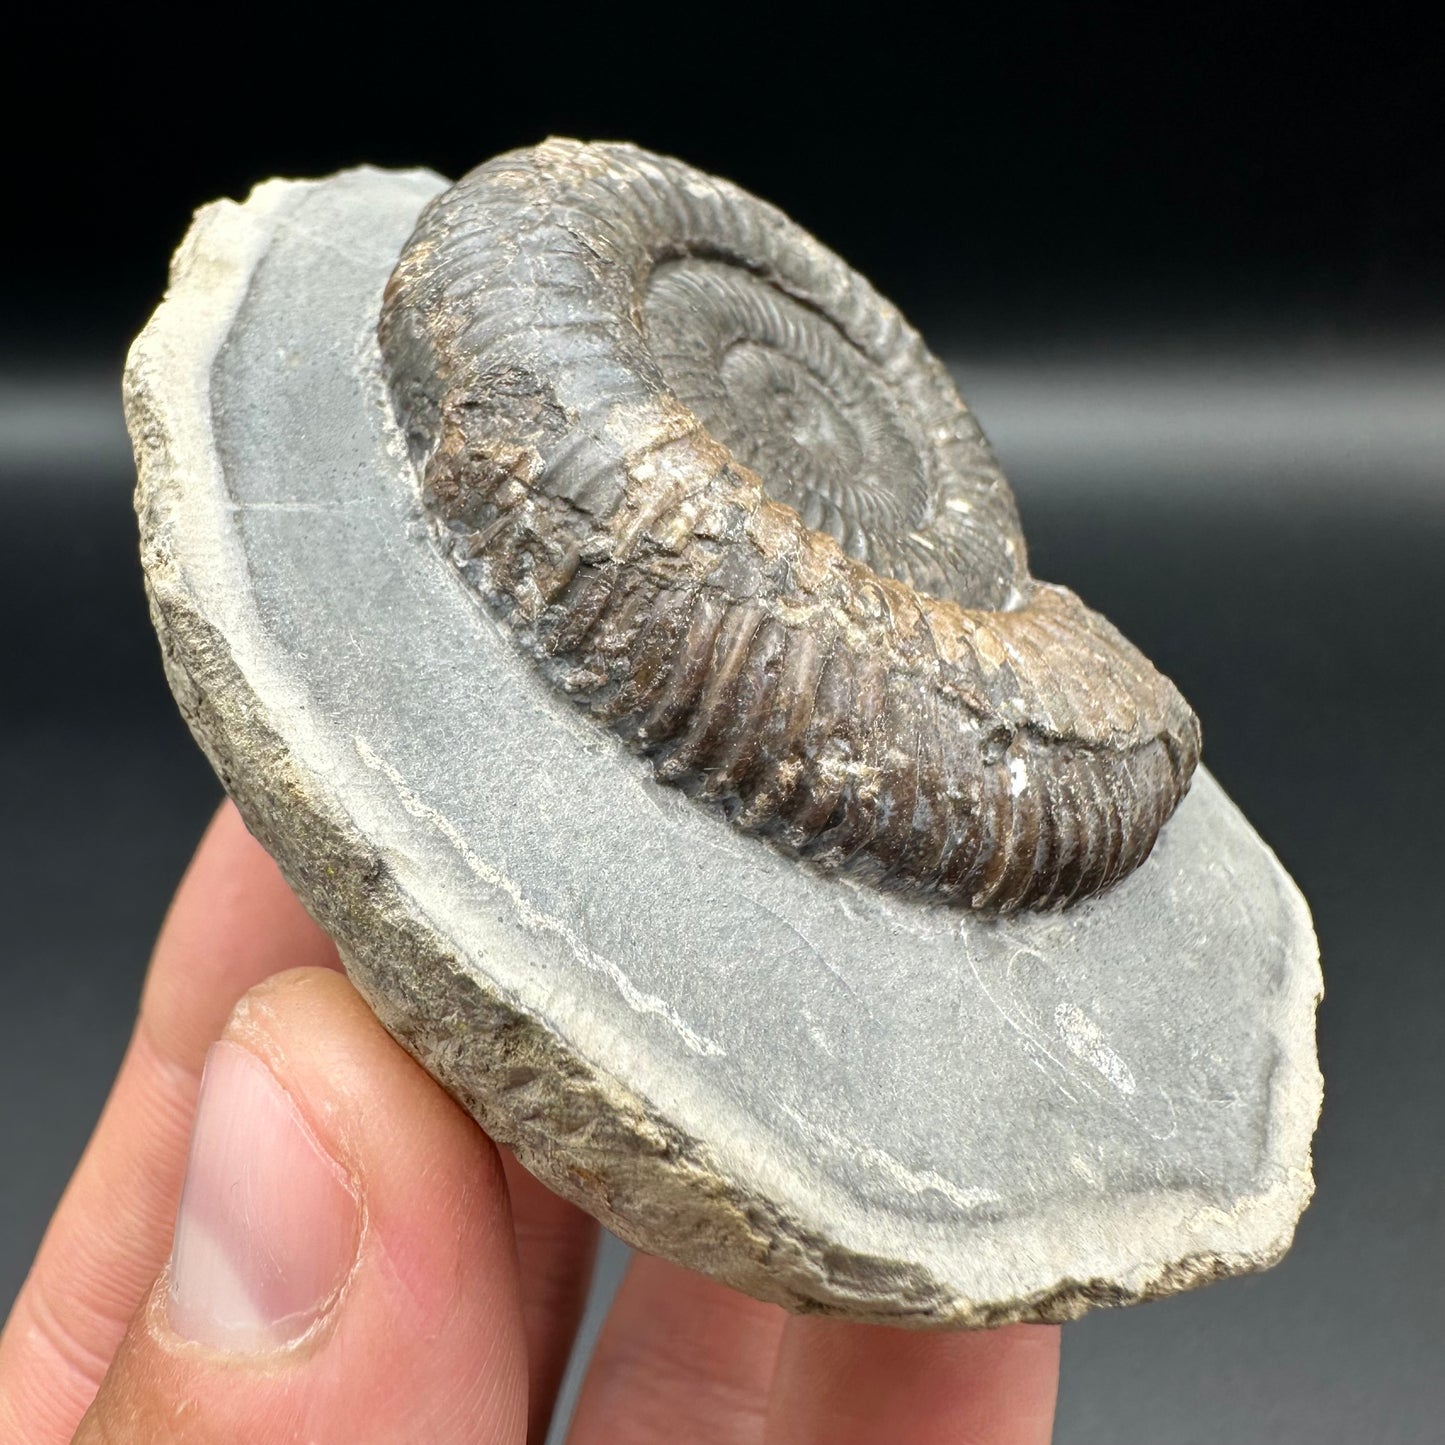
[(841, 1100)]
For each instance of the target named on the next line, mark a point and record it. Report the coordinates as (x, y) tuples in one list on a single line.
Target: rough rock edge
[(628, 1166)]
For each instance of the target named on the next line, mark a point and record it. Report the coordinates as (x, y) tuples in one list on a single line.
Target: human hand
[(348, 1258)]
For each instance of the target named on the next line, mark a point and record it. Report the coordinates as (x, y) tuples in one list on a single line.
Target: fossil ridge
[(729, 500)]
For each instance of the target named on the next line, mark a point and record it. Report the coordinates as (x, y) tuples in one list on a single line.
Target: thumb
[(343, 1266)]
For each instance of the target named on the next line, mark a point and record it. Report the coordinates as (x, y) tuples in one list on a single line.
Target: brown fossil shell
[(730, 503)]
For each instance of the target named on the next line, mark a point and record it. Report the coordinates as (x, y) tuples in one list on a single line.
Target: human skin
[(393, 1274)]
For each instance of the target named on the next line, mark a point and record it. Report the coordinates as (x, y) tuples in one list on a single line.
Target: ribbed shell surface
[(731, 504)]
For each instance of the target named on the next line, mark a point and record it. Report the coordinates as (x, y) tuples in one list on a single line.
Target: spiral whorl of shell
[(733, 506)]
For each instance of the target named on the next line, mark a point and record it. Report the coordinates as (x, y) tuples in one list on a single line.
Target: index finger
[(848, 1384)]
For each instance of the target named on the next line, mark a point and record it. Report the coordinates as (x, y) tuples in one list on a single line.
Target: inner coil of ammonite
[(731, 504), (826, 432)]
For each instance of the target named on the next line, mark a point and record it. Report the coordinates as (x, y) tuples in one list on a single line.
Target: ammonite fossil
[(733, 506)]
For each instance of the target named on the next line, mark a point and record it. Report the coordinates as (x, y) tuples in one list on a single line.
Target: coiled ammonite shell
[(732, 505)]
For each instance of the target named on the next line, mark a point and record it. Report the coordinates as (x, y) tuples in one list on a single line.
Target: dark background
[(1188, 270)]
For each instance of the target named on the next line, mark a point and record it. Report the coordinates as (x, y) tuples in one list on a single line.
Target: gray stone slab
[(821, 1094)]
